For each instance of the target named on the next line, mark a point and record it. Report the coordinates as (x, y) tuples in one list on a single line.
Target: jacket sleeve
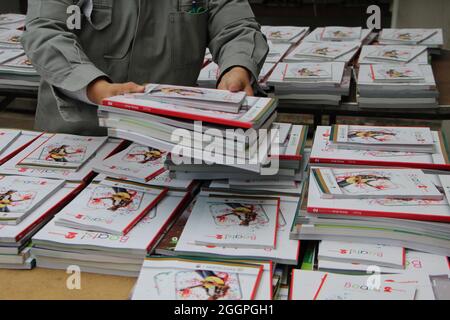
[(235, 36), (54, 49)]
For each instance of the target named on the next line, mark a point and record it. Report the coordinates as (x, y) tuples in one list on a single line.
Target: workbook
[(392, 53), (406, 36), (10, 39), (341, 34), (9, 54), (380, 138), (397, 74), (7, 137), (137, 162), (63, 151), (374, 183), (283, 34), (369, 254), (183, 279), (107, 209), (241, 222), (19, 196), (306, 72), (194, 97), (324, 51), (316, 285)]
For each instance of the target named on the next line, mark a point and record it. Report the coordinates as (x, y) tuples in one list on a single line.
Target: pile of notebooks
[(396, 86), (340, 34), (311, 83), (12, 21), (393, 54), (433, 39)]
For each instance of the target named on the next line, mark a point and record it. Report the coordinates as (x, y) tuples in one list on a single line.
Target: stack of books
[(431, 38), (284, 34), (26, 205), (393, 54), (392, 86), (13, 141), (340, 34), (277, 51), (311, 83), (331, 51), (12, 21)]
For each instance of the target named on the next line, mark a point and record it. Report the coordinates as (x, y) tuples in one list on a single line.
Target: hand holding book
[(237, 79), (100, 89)]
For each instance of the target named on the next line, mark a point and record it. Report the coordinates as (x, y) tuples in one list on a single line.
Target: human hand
[(237, 79), (100, 89)]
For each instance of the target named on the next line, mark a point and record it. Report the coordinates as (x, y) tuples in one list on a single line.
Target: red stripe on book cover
[(177, 114), (291, 288), (404, 258), (322, 282), (271, 276), (276, 224), (431, 166), (155, 174), (145, 211), (36, 148), (20, 149), (372, 72), (379, 214), (258, 280)]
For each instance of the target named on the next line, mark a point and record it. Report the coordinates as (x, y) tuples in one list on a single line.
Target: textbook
[(9, 54), (184, 279), (137, 162), (316, 285), (369, 254), (10, 39), (325, 153), (12, 21), (306, 72), (235, 222), (286, 252), (380, 138), (406, 36), (324, 51), (293, 138), (19, 196), (374, 183), (63, 151), (398, 55), (7, 137), (415, 261), (12, 148), (284, 34), (391, 74), (194, 97), (341, 34), (276, 52), (253, 114), (107, 209)]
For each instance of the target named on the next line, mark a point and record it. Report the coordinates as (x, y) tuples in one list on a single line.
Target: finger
[(222, 85), (249, 90), (235, 86), (132, 87)]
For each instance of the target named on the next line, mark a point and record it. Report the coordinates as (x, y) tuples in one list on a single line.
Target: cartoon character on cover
[(149, 155), (180, 92), (6, 200), (391, 54), (120, 199), (59, 154), (306, 72), (244, 212), (323, 51), (340, 34), (215, 286), (14, 39), (405, 36), (370, 134), (392, 73), (276, 35), (365, 179)]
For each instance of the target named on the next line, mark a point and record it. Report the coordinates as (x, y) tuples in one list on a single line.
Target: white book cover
[(64, 151), (11, 18), (20, 143), (19, 196), (282, 33), (316, 35), (243, 222), (308, 72), (293, 145), (136, 162), (326, 153), (108, 209), (374, 135), (435, 211), (20, 64), (10, 38), (7, 137), (316, 285), (277, 51), (15, 233), (375, 184), (370, 254), (179, 93), (341, 33), (138, 241), (396, 53), (325, 50), (162, 180), (9, 54), (397, 74), (182, 279), (375, 50), (415, 261), (409, 36), (286, 251)]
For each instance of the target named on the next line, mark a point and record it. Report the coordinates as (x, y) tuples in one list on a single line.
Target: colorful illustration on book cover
[(404, 202), (309, 72), (370, 135), (340, 34), (14, 39), (325, 51), (207, 285), (232, 214), (144, 155), (364, 182), (398, 74), (63, 153), (15, 201), (279, 35), (184, 92), (115, 199)]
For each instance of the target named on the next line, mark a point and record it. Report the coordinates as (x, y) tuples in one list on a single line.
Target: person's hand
[(237, 79), (101, 89)]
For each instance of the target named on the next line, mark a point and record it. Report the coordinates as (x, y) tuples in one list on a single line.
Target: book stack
[(12, 21), (431, 38), (277, 51), (340, 34), (108, 228), (26, 205), (13, 141), (331, 51), (284, 34), (311, 83), (393, 54), (390, 86)]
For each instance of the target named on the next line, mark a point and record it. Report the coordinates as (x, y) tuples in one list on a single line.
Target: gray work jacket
[(145, 41)]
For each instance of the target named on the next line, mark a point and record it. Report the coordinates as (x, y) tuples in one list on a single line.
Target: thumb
[(235, 87)]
